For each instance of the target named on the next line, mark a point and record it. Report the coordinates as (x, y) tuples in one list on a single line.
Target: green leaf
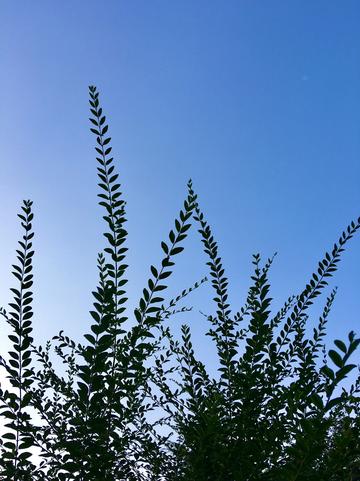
[(340, 345), (336, 358), (344, 371)]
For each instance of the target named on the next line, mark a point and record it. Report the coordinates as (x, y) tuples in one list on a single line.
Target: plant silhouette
[(137, 404)]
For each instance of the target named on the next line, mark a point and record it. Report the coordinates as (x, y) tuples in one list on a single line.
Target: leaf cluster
[(134, 402)]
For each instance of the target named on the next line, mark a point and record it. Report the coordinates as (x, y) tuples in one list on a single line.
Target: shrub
[(136, 404)]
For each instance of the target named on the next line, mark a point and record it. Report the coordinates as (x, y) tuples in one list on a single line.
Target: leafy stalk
[(15, 457)]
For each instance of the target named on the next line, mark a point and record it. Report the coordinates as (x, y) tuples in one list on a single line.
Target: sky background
[(258, 102)]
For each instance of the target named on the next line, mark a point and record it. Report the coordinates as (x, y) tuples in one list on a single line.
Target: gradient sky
[(257, 101)]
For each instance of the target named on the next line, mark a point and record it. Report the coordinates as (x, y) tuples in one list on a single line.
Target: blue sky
[(257, 102)]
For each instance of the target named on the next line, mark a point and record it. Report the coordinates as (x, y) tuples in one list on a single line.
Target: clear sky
[(257, 101)]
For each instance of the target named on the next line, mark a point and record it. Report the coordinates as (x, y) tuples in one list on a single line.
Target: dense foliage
[(136, 403)]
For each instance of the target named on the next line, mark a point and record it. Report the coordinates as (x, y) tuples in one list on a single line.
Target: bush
[(136, 404)]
